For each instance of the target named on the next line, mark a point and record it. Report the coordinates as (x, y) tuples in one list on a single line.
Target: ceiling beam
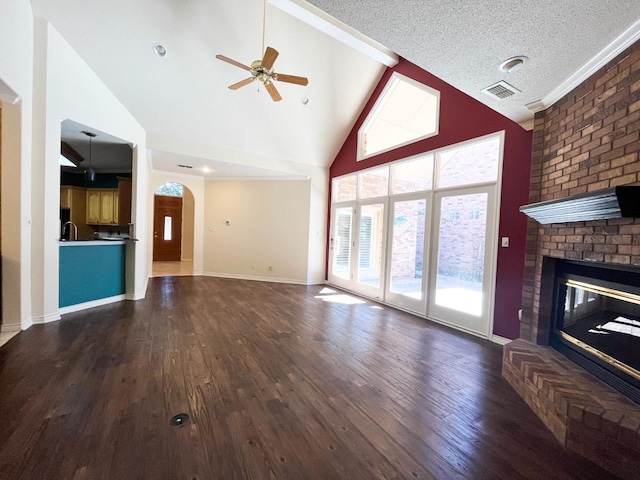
[(70, 153), (324, 22)]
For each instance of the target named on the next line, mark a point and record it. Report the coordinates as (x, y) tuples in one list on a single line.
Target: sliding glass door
[(341, 245), (463, 252), (357, 253), (370, 249), (407, 262)]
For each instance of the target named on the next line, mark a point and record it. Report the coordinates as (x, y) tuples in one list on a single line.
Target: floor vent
[(500, 90), (179, 419)]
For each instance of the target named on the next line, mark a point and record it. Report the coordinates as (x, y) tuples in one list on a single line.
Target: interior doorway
[(167, 228), (173, 232)]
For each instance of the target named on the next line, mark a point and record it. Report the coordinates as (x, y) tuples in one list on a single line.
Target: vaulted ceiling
[(190, 115)]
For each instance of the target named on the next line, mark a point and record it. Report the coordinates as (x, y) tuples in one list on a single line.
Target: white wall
[(16, 72), (196, 185), (269, 226), (66, 88), (50, 83), (318, 214)]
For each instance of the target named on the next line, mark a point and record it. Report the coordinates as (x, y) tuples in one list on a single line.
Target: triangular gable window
[(406, 111)]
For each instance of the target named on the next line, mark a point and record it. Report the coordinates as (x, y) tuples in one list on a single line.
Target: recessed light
[(512, 64), (206, 169), (304, 100), (159, 50)]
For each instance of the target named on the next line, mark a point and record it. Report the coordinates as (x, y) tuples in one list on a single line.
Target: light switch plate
[(505, 241)]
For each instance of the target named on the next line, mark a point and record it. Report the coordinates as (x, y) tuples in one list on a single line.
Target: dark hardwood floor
[(280, 382)]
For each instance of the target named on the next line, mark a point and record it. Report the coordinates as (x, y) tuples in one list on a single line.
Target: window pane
[(461, 246), (341, 242), (344, 189), (366, 237), (407, 111), (171, 190), (407, 248), (374, 183), (471, 163), (167, 229), (413, 176), (370, 251)]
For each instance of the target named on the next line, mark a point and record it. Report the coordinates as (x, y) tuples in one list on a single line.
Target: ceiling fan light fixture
[(159, 50), (513, 64)]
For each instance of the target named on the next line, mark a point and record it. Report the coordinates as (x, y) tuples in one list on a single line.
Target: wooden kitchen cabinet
[(75, 199), (93, 207), (65, 197), (123, 202), (102, 206), (106, 208), (116, 206)]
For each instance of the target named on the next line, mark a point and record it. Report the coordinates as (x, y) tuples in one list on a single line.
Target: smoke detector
[(513, 64), (500, 90)]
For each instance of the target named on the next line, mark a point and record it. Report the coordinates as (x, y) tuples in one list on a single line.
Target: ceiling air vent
[(500, 90)]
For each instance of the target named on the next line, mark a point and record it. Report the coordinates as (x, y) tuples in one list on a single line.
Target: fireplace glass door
[(604, 321)]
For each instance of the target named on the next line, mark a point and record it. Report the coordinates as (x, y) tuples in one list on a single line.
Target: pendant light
[(90, 173)]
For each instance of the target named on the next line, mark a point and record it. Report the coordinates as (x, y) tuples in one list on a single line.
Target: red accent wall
[(464, 118)]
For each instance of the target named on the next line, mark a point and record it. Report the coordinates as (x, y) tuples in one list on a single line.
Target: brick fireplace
[(587, 141)]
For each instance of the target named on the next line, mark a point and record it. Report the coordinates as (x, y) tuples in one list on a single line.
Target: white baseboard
[(134, 296), (41, 319), (11, 327), (91, 304), (500, 340), (254, 278)]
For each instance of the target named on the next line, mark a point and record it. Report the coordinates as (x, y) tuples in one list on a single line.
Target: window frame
[(380, 102)]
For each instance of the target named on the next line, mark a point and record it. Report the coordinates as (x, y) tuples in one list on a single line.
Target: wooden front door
[(167, 228)]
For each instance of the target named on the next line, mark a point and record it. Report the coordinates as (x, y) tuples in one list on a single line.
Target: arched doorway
[(173, 230)]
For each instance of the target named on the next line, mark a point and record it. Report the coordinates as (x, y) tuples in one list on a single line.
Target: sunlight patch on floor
[(340, 298)]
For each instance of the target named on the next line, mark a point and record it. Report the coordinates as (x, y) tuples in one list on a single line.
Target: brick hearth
[(584, 414), (587, 141)]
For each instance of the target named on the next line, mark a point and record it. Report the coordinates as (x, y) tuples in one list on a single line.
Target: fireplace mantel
[(615, 202)]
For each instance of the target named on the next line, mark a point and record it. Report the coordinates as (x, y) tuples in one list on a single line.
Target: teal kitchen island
[(91, 270)]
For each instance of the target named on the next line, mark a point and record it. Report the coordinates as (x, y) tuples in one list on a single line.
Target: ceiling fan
[(262, 70)]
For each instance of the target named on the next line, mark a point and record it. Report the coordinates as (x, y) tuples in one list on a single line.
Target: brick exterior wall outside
[(407, 255), (587, 141)]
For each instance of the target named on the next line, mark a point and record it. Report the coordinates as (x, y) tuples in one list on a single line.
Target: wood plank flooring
[(280, 382)]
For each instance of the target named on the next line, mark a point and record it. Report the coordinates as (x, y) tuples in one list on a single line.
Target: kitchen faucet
[(75, 230)]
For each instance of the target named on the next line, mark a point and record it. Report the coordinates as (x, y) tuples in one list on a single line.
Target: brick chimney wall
[(587, 141)]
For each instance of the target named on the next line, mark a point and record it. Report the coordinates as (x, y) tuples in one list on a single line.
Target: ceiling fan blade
[(232, 62), (270, 55), (244, 82), (281, 77), (273, 91)]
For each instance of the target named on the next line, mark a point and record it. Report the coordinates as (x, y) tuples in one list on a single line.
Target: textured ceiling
[(464, 41)]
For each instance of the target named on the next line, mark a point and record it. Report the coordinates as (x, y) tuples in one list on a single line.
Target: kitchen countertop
[(94, 242)]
